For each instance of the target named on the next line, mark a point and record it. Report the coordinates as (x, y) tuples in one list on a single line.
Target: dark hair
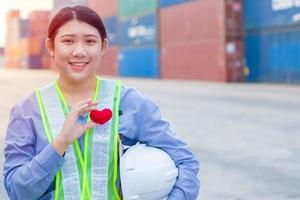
[(80, 13)]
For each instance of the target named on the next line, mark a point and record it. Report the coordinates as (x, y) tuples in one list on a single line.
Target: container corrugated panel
[(191, 21), (273, 57), (130, 8), (38, 21), (234, 19), (104, 8), (34, 62), (166, 3), (270, 13), (63, 3), (24, 28), (110, 61), (111, 25), (234, 53), (34, 46), (138, 31), (13, 30), (24, 64), (45, 61), (139, 62), (199, 60), (24, 42)]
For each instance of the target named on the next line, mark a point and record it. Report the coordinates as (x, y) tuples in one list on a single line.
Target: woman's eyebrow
[(73, 35)]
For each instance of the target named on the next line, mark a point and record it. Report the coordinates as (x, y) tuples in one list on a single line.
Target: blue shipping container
[(111, 24), (139, 31), (139, 62), (270, 13), (273, 57), (166, 3)]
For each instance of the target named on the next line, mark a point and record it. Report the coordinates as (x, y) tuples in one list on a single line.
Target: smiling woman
[(53, 149)]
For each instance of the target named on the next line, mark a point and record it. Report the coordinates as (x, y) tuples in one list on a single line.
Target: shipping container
[(199, 60), (24, 62), (234, 60), (234, 19), (58, 4), (110, 61), (24, 28), (192, 20), (34, 62), (139, 62), (111, 25), (273, 56), (139, 31), (46, 61), (38, 21), (199, 40), (271, 13), (131, 8), (12, 27), (104, 8), (166, 3), (34, 46)]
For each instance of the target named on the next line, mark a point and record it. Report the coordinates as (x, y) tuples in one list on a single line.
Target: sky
[(25, 6)]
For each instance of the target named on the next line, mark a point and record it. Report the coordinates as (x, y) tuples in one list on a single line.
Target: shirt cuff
[(49, 160), (176, 194)]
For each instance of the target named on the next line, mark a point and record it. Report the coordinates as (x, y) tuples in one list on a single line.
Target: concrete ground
[(246, 136)]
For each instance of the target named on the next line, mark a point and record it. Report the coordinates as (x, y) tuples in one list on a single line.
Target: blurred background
[(250, 40), (226, 74)]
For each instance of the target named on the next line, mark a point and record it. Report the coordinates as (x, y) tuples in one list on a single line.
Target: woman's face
[(77, 51)]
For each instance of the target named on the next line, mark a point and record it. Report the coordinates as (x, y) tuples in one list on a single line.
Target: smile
[(78, 64)]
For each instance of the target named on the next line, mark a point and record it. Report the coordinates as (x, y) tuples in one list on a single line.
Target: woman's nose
[(79, 50)]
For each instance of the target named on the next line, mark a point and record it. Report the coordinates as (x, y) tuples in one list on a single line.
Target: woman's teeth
[(79, 64)]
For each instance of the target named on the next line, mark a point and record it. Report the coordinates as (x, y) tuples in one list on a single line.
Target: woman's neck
[(77, 91)]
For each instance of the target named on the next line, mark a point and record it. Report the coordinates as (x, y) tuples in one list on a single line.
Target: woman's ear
[(104, 46), (50, 47)]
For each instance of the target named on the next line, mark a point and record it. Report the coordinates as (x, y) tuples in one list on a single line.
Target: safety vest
[(92, 174)]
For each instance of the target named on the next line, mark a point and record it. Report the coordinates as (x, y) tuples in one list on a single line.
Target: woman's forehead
[(75, 27)]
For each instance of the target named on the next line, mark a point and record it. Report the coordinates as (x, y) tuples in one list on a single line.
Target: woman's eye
[(67, 41), (91, 41)]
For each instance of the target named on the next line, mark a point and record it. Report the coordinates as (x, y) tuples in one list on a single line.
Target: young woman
[(54, 151)]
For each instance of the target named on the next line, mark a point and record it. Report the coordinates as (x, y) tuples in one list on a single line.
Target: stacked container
[(37, 55), (58, 4), (138, 27), (12, 48), (272, 40), (108, 11), (202, 40)]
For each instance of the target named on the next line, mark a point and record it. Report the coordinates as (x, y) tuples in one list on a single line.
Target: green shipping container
[(130, 8)]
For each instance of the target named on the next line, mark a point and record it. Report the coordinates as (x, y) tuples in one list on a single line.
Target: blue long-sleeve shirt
[(31, 163)]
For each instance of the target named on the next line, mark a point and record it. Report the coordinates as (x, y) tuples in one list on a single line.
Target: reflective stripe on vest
[(92, 174)]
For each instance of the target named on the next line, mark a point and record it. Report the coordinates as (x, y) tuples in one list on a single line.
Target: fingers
[(84, 107), (90, 125), (86, 101)]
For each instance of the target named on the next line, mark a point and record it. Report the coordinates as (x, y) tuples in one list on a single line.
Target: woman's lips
[(78, 66)]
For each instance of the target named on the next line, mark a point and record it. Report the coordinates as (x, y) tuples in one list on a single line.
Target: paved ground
[(247, 136)]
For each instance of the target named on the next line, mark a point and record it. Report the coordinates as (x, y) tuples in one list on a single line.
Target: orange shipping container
[(34, 46), (38, 21)]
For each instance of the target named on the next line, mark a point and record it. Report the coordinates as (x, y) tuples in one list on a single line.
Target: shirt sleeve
[(27, 175), (147, 125)]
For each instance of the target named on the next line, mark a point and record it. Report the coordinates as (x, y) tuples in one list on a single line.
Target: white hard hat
[(147, 173)]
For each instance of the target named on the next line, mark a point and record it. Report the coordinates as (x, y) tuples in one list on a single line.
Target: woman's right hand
[(72, 129)]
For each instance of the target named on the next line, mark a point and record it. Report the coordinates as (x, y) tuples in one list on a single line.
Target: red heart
[(101, 116)]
